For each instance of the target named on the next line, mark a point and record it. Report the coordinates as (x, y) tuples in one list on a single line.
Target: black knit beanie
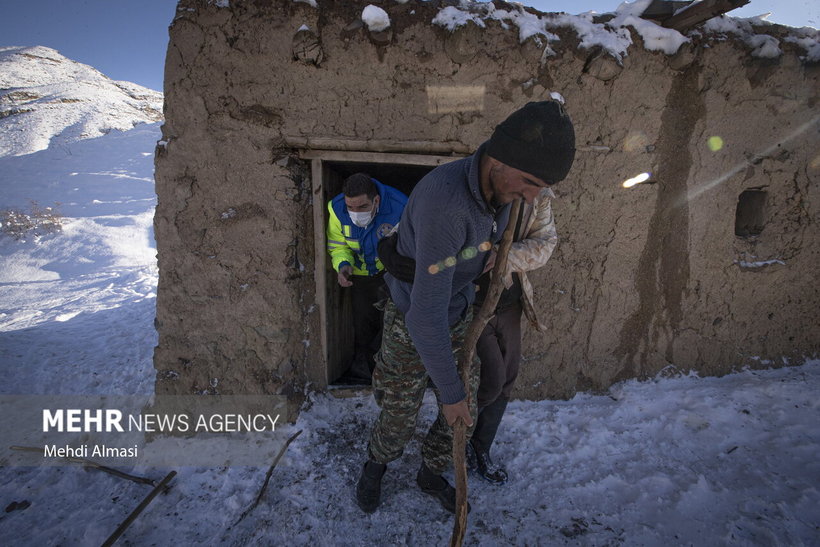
[(538, 139)]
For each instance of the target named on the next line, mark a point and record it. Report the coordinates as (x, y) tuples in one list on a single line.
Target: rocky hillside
[(47, 99)]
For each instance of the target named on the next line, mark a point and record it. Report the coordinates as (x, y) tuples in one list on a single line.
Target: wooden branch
[(267, 477), (475, 329), (140, 508), (459, 446)]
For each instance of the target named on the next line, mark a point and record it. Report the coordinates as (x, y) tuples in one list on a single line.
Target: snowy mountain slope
[(47, 99)]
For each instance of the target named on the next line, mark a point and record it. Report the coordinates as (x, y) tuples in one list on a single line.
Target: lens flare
[(643, 177), (468, 253), (696, 192), (636, 141), (451, 261), (714, 143)]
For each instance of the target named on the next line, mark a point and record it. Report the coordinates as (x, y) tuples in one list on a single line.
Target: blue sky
[(127, 39)]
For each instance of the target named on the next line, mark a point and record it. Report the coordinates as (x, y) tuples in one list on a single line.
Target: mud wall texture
[(645, 279)]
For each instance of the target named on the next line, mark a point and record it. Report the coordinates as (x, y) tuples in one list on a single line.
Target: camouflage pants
[(399, 381)]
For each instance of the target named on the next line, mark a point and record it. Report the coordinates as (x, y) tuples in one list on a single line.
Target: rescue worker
[(359, 216)]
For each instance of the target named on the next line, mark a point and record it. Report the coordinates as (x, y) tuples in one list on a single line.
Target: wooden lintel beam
[(659, 10), (373, 145), (701, 11), (401, 152)]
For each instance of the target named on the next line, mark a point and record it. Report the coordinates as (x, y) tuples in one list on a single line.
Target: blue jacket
[(351, 244)]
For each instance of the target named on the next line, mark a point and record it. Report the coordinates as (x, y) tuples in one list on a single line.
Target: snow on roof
[(614, 40), (375, 18), (613, 35), (764, 45), (655, 37), (811, 45), (451, 18)]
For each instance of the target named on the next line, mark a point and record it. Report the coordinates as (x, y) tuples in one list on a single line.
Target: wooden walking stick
[(477, 325)]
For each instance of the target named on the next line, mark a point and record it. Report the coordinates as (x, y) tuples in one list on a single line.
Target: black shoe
[(369, 488), (483, 465), (438, 487)]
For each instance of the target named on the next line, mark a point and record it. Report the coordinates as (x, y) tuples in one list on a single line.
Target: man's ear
[(491, 161)]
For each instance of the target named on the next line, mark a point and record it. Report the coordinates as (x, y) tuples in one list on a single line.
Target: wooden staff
[(475, 329)]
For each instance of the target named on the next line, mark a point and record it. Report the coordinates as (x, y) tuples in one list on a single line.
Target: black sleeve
[(401, 267)]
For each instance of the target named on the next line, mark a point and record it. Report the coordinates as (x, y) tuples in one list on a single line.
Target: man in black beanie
[(454, 216), (538, 139)]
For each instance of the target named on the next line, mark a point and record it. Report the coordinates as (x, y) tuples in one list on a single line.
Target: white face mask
[(361, 219), (364, 218)]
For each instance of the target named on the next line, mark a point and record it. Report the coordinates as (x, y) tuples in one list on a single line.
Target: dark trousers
[(499, 349), (367, 321)]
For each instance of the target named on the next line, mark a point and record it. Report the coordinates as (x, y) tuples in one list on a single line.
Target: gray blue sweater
[(443, 227)]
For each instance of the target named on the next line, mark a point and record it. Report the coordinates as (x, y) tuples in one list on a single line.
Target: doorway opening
[(329, 169)]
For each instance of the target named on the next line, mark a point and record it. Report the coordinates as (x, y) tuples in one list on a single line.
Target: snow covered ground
[(675, 461)]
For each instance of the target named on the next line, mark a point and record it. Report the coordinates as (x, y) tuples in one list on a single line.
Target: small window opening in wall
[(750, 214)]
